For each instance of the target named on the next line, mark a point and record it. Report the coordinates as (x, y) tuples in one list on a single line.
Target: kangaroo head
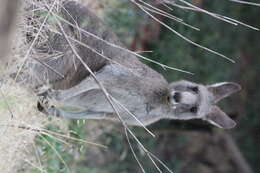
[(195, 101)]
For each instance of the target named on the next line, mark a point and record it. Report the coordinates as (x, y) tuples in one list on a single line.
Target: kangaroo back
[(67, 71)]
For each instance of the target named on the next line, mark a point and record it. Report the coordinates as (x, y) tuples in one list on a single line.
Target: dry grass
[(17, 110), (19, 118)]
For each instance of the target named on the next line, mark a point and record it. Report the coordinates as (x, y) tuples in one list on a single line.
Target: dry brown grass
[(17, 110), (19, 116)]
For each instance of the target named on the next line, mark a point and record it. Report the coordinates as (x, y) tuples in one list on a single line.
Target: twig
[(33, 165), (246, 2), (170, 17), (207, 12), (121, 48), (180, 35), (219, 16), (132, 150), (7, 104), (57, 153), (47, 132), (195, 8), (49, 67)]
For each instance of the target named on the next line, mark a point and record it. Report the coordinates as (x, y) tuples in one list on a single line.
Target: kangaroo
[(131, 84)]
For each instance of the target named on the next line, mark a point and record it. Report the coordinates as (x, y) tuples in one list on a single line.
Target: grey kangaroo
[(131, 84)]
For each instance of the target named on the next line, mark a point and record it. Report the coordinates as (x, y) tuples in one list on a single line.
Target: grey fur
[(143, 91)]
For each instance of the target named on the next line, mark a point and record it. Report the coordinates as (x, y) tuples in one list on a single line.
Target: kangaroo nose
[(177, 97)]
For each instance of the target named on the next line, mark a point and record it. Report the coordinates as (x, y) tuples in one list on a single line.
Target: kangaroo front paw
[(44, 107)]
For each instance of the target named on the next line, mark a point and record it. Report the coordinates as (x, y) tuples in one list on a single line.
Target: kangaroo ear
[(218, 118), (223, 89)]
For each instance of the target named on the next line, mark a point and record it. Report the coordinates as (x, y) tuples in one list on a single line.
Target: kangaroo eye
[(194, 109), (195, 89), (177, 97)]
